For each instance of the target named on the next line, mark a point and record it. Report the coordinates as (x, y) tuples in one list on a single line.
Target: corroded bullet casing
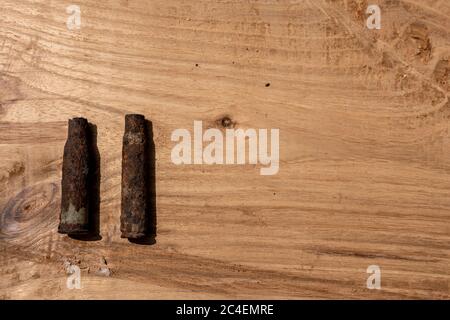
[(74, 218), (133, 219)]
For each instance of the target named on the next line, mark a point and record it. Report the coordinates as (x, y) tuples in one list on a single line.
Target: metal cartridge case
[(133, 219), (74, 218)]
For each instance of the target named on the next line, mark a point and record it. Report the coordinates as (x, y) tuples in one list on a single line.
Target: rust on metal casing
[(133, 219), (74, 218)]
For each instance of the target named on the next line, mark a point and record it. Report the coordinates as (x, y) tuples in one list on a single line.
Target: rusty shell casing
[(133, 223), (74, 194)]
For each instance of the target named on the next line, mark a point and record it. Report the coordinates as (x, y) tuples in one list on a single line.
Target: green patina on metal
[(73, 216)]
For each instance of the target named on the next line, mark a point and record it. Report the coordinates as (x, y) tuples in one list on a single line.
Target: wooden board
[(364, 146)]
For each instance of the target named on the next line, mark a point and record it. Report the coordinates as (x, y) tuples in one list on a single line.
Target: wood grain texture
[(364, 146)]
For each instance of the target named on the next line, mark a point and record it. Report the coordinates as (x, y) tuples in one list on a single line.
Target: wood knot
[(226, 122), (30, 212)]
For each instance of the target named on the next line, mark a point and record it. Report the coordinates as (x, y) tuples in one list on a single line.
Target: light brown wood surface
[(364, 146)]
